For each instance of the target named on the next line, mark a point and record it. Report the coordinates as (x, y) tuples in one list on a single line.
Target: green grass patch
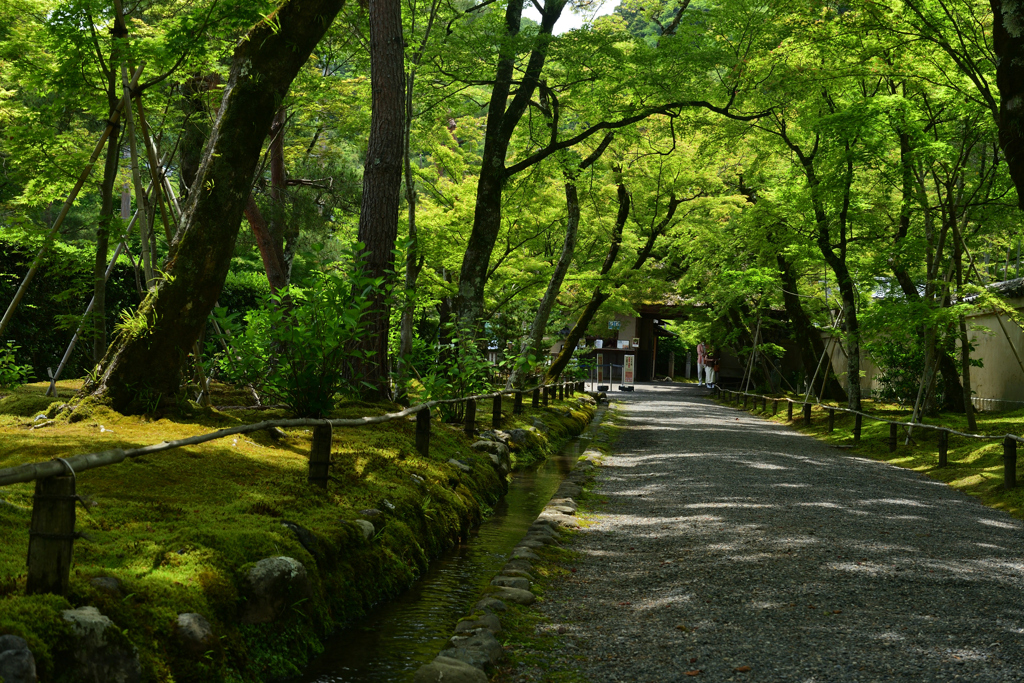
[(974, 466), (179, 529)]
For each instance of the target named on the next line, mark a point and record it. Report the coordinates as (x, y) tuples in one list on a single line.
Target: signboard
[(636, 342), (628, 364), (614, 324), (600, 368)]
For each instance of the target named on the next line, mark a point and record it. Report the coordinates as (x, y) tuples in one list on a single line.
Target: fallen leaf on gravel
[(692, 660), (682, 627), (625, 603), (837, 611), (695, 672), (573, 570), (742, 669)]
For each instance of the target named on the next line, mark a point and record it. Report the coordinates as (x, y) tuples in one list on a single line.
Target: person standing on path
[(710, 370), (701, 359)]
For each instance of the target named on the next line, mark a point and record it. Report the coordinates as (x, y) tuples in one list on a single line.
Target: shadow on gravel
[(752, 545)]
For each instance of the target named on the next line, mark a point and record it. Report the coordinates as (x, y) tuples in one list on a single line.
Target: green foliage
[(458, 367), (11, 373), (302, 345)]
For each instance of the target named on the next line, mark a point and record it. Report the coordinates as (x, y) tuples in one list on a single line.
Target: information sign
[(627, 369)]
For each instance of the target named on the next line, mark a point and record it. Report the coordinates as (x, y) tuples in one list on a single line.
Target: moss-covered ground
[(974, 466), (179, 529)]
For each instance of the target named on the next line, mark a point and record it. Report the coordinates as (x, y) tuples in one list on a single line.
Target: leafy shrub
[(301, 346), (12, 374)]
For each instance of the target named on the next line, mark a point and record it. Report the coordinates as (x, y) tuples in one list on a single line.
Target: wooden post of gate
[(51, 536), (423, 432), (807, 413), (1009, 462), (857, 421), (561, 392), (517, 405), (536, 398), (789, 410), (546, 391), (831, 419), (470, 421), (943, 447), (320, 455), (775, 407), (496, 413)]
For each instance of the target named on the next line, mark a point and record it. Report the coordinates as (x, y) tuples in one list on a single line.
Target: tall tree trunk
[(195, 128), (143, 365), (807, 338), (1008, 44), (965, 347), (503, 116), (382, 178)]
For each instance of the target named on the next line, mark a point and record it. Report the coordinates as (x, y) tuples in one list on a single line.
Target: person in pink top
[(702, 357)]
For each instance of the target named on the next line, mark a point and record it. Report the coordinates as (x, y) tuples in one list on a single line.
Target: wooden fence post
[(831, 419), (744, 400), (775, 407), (943, 447), (51, 536), (807, 413), (561, 392), (1009, 462), (536, 398), (789, 410), (764, 404), (892, 437), (517, 405), (858, 420), (423, 432), (470, 420), (320, 455), (496, 412), (547, 390)]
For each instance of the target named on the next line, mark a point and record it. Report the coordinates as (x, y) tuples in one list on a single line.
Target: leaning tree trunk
[(532, 344), (143, 365), (382, 180)]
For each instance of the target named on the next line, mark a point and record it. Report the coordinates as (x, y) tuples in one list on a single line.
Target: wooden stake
[(857, 421), (943, 447), (831, 419), (789, 410), (423, 432), (775, 407), (561, 392), (1009, 463), (807, 414), (535, 401), (547, 390), (470, 419), (517, 405), (51, 536), (892, 436), (744, 400), (496, 412), (320, 455)]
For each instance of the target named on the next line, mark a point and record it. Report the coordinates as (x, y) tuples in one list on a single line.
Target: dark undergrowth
[(179, 529)]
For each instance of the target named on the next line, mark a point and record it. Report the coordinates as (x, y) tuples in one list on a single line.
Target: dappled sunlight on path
[(725, 541)]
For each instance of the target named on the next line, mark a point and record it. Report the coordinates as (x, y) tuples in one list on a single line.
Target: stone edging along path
[(474, 649)]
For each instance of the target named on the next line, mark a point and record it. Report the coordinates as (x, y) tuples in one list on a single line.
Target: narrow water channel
[(400, 635)]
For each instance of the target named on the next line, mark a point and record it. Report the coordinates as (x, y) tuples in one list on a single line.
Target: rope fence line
[(51, 535), (1010, 441)]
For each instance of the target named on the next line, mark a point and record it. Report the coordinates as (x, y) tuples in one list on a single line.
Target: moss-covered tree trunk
[(382, 178), (1008, 43), (143, 365)]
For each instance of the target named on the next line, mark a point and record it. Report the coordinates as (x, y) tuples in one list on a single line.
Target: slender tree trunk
[(144, 364), (382, 178), (965, 346), (194, 130), (532, 344), (110, 166)]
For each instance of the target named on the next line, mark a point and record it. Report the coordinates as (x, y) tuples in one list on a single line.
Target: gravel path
[(730, 542)]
